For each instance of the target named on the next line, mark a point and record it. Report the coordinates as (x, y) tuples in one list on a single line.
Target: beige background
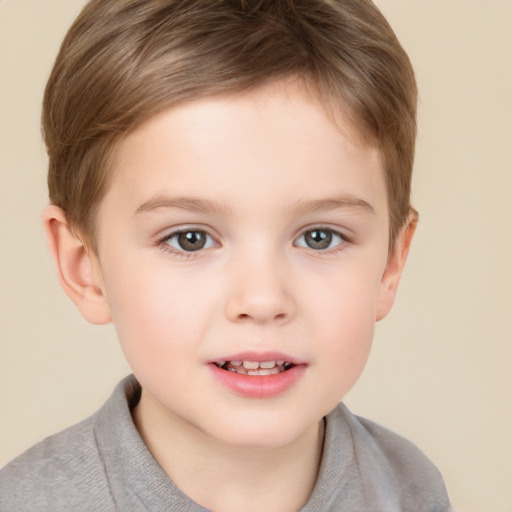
[(440, 372)]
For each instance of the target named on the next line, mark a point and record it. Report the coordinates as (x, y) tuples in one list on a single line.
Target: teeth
[(255, 367), (271, 371)]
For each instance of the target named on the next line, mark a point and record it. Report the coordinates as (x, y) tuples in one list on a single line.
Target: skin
[(255, 173)]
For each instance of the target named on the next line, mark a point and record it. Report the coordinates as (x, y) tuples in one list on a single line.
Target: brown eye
[(320, 239), (190, 241)]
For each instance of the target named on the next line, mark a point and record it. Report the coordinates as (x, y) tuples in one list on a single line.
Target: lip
[(258, 386)]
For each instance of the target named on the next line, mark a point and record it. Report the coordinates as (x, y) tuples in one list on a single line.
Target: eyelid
[(174, 232), (320, 227), (169, 232)]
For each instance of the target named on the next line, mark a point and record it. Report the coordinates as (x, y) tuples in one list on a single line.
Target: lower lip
[(258, 386)]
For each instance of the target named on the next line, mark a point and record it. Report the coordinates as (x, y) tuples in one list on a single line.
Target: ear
[(395, 266), (77, 267)]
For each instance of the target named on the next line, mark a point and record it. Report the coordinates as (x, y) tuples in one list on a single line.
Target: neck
[(228, 478)]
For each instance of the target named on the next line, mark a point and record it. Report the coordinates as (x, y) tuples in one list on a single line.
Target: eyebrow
[(334, 203), (207, 206), (192, 204)]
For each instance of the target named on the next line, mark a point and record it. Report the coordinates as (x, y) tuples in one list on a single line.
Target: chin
[(260, 435)]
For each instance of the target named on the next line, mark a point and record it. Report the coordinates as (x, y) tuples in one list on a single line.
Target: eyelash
[(340, 246), (163, 242)]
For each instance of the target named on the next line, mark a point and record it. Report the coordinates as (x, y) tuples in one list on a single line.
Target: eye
[(189, 240), (320, 239)]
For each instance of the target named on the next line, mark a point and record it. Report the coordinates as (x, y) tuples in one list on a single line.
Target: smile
[(255, 367)]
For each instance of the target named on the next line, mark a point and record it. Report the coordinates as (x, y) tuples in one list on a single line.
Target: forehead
[(248, 141)]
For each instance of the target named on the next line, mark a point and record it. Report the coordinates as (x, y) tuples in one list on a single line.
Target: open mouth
[(255, 367)]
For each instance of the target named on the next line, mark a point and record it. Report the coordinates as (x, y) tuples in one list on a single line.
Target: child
[(229, 185)]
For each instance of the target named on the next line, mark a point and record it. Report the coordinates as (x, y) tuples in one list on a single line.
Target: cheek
[(155, 317), (344, 327), (344, 302), (347, 326)]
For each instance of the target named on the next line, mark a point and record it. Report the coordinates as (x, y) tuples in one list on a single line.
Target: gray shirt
[(102, 464)]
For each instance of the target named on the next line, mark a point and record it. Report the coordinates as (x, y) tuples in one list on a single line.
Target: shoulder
[(393, 469), (62, 472)]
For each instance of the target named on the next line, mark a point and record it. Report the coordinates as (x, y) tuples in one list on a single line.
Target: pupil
[(192, 240), (318, 239)]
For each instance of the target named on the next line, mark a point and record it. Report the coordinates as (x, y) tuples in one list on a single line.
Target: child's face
[(248, 228)]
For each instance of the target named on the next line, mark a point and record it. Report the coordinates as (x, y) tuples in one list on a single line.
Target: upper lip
[(260, 357)]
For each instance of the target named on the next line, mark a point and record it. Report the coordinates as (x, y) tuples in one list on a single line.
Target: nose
[(260, 291)]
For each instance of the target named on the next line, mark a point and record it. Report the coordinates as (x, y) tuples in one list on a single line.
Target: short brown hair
[(123, 61)]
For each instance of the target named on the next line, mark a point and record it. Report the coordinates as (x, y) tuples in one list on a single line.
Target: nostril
[(246, 316)]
